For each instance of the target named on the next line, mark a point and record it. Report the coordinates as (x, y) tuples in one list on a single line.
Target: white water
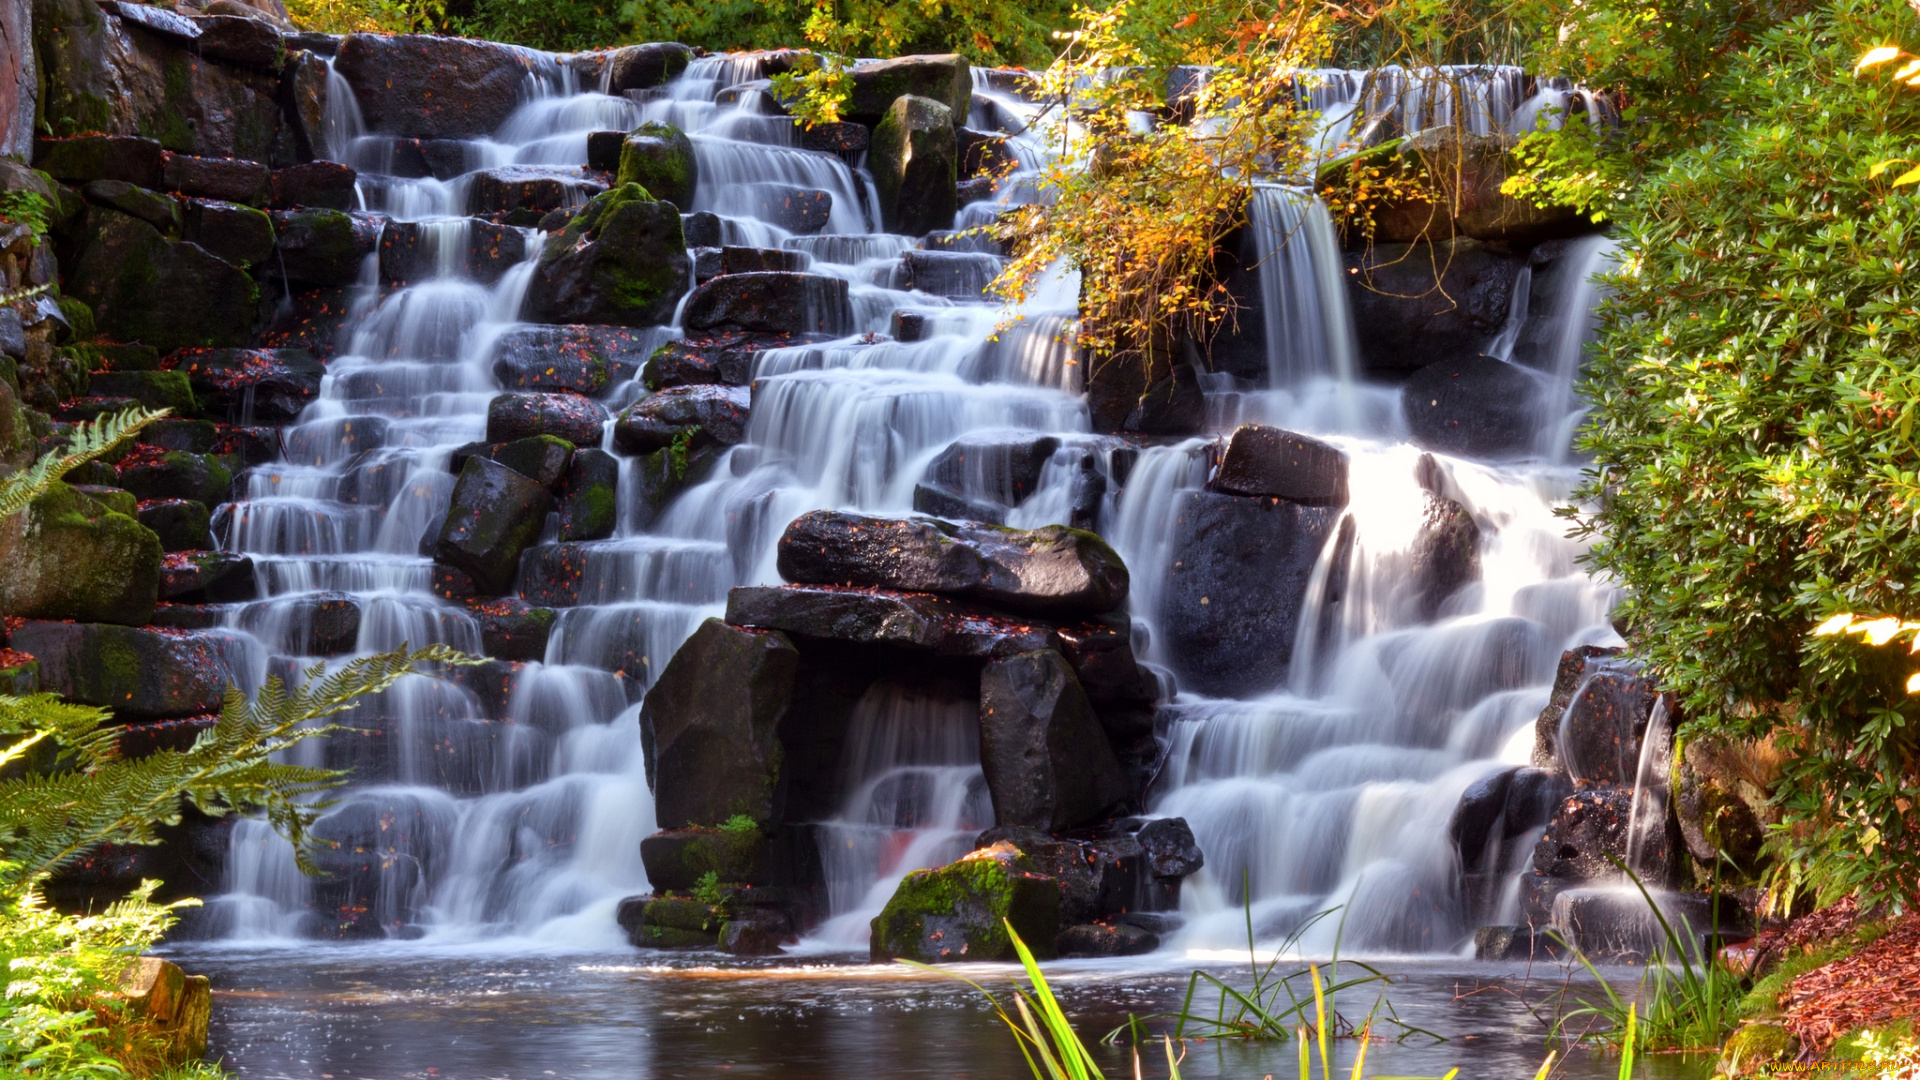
[(523, 818)]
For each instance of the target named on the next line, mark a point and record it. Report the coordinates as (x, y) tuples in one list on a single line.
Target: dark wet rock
[(154, 389), (239, 40), (659, 157), (621, 260), (758, 934), (144, 288), (1480, 407), (322, 247), (1099, 877), (1237, 589), (1107, 939), (1267, 461), (708, 726), (511, 628), (1171, 850), (1415, 305), (207, 577), (914, 163), (778, 303), (1047, 761), (946, 79), (1101, 652), (160, 211), (539, 188), (175, 433), (1515, 943), (961, 275), (303, 99), (1617, 925), (1477, 821), (550, 577), (181, 524), (159, 20), (751, 260), (978, 189), (494, 515), (1465, 171), (800, 210), (175, 475), (139, 674), (239, 234), (1129, 392), (836, 137), (786, 857), (1569, 675), (588, 504), (905, 326), (452, 583), (324, 624), (1587, 828), (82, 158), (1445, 555), (1532, 797), (225, 179), (67, 557), (568, 416), (642, 67), (580, 359), (659, 477), (1051, 571), (961, 911), (324, 185), (984, 474), (543, 458), (249, 386), (667, 922), (603, 150), (316, 320), (429, 87), (691, 416), (918, 621), (702, 229), (1597, 738)]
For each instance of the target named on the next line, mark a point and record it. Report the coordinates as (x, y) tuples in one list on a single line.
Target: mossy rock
[(659, 157), (961, 911), (679, 859), (621, 261), (154, 389), (589, 509), (675, 913), (145, 288), (915, 160), (1753, 1048), (178, 474), (68, 557), (667, 937)]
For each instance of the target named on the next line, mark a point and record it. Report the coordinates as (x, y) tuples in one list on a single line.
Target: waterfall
[(511, 804)]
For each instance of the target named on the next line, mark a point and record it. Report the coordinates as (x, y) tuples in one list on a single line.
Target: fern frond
[(23, 294), (90, 440), (48, 821)]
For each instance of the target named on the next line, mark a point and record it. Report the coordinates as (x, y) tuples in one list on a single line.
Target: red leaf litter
[(1874, 987), (13, 658)]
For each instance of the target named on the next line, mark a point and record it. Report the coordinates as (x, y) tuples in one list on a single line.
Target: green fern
[(92, 796), (89, 441)]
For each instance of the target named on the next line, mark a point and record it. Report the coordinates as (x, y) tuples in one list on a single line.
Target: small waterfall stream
[(519, 812)]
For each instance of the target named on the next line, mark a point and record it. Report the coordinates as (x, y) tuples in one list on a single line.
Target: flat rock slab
[(146, 674)]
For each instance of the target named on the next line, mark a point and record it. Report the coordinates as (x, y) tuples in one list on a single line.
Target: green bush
[(1754, 470)]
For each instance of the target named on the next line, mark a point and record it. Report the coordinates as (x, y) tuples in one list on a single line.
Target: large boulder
[(1454, 180), (67, 557), (580, 359), (225, 179), (242, 41), (105, 73), (659, 157), (643, 67), (1445, 556), (145, 288), (709, 726), (79, 159), (1052, 571), (979, 477), (19, 80), (494, 515), (139, 674), (621, 260), (588, 510), (427, 87), (1157, 393), (1266, 461), (567, 416), (316, 246), (539, 189), (1420, 304), (690, 416), (1599, 736), (304, 91), (877, 84), (1478, 407), (1047, 761), (915, 163), (769, 302), (252, 386), (1590, 829), (151, 473), (962, 911), (239, 234)]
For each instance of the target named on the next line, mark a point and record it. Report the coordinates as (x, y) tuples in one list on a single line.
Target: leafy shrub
[(1754, 397)]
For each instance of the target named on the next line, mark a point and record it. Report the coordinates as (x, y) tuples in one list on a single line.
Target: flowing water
[(516, 816)]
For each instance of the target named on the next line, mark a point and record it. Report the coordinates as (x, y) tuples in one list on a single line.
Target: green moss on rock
[(1754, 1048), (67, 557), (659, 157), (961, 911)]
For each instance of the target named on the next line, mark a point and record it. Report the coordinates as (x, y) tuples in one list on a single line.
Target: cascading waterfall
[(520, 814)]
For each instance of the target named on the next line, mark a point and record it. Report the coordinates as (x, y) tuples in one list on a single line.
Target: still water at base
[(395, 1013)]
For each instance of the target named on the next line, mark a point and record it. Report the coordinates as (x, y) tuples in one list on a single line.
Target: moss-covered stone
[(947, 79), (538, 457), (1754, 1049), (659, 157), (588, 508), (111, 500), (709, 727), (170, 295), (181, 524), (67, 557), (622, 261), (177, 474), (960, 912), (915, 162), (154, 389), (680, 858), (494, 515)]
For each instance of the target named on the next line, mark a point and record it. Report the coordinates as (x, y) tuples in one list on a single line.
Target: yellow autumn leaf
[(1875, 56), (1837, 624), (1879, 631), (1911, 176), (1908, 70), (1913, 683), (1882, 166)]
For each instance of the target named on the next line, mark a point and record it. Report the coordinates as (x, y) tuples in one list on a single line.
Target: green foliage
[(1753, 394), (993, 32), (559, 25), (709, 891), (88, 442), (29, 208), (58, 1018), (740, 825)]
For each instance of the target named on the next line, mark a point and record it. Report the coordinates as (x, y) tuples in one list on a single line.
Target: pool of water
[(328, 1012)]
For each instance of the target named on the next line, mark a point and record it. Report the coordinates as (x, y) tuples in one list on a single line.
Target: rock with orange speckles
[(428, 87), (246, 386), (141, 674), (493, 516)]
